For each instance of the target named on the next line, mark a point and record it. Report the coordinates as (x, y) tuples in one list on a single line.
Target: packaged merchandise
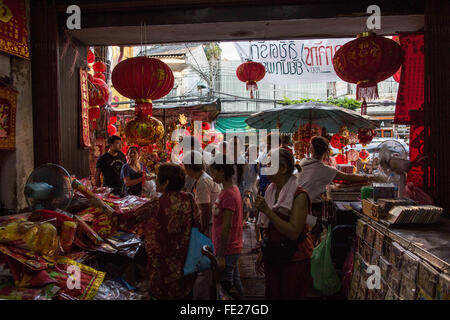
[(390, 294), (407, 289), (362, 293), (396, 255), (394, 280), (375, 258), (378, 242), (427, 278), (385, 267), (387, 248), (370, 235), (443, 287), (354, 286), (68, 235), (383, 191), (87, 230), (367, 253), (410, 265), (361, 227), (383, 289), (357, 262)]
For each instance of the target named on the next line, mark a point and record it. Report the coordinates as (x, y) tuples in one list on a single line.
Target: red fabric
[(229, 199), (291, 281), (415, 175), (98, 92), (13, 28), (410, 94)]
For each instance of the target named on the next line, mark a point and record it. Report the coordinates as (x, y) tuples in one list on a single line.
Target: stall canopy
[(236, 124)]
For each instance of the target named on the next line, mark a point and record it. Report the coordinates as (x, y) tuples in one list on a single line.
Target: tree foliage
[(347, 103)]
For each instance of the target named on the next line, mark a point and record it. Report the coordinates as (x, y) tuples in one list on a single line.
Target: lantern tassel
[(143, 107), (364, 107), (369, 93), (252, 86)]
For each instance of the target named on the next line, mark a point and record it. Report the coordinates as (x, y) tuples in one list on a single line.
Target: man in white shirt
[(204, 188)]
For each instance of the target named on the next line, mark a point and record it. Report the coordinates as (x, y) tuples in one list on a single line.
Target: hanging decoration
[(364, 108), (144, 130), (99, 66), (302, 138), (352, 156), (143, 79), (341, 159), (365, 136), (353, 139), (85, 140), (364, 154), (112, 130), (396, 75), (98, 91), (251, 72), (366, 61), (13, 28), (8, 104), (90, 56), (100, 76)]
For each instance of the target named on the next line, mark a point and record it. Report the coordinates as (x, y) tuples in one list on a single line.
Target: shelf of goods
[(414, 262)]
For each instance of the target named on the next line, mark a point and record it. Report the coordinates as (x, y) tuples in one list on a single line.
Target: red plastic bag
[(417, 194)]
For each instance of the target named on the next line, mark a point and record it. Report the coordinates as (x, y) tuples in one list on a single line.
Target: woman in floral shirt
[(167, 223)]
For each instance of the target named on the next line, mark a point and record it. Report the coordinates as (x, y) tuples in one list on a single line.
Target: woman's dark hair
[(192, 159), (286, 159), (113, 139), (133, 148), (320, 145), (219, 163), (285, 139), (173, 173)]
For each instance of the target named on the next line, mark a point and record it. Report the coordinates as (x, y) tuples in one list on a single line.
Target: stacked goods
[(425, 214), (404, 275)]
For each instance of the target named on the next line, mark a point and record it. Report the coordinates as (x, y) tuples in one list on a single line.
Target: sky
[(229, 52)]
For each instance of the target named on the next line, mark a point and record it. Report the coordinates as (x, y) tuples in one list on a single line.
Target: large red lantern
[(251, 72), (366, 61), (98, 92), (143, 79)]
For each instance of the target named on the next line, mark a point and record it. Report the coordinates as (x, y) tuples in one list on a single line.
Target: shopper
[(167, 223), (109, 165), (287, 246), (285, 143), (227, 227), (316, 175), (132, 173)]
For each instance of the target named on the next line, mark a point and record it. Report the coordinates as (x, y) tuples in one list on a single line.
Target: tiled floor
[(252, 282)]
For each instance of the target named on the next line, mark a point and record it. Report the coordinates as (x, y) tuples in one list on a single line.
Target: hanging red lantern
[(341, 159), (94, 112), (336, 141), (100, 76), (143, 79), (251, 72), (90, 56), (206, 126), (396, 75), (364, 154), (99, 66), (98, 92), (366, 61), (112, 120), (112, 130), (366, 135), (144, 130)]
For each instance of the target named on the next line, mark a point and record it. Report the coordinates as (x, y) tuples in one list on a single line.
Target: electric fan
[(49, 187), (392, 159)]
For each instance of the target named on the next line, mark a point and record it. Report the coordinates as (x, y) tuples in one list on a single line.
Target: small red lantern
[(251, 72), (99, 66), (341, 159), (143, 79), (112, 130), (100, 76), (366, 135), (113, 120), (90, 56), (337, 141), (206, 126), (98, 92), (364, 154), (366, 61)]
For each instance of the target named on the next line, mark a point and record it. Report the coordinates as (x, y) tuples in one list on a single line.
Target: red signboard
[(85, 139), (13, 28), (8, 103)]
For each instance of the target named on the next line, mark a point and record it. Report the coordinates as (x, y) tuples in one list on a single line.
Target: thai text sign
[(85, 139), (291, 61), (8, 103), (13, 28)]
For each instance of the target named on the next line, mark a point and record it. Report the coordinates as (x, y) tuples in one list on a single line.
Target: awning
[(236, 124)]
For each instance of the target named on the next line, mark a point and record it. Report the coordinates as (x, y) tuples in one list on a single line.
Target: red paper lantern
[(99, 66), (336, 141), (100, 76), (143, 79), (366, 61), (112, 130), (90, 56), (113, 120), (366, 135), (251, 72), (206, 126), (98, 92), (341, 159), (364, 154)]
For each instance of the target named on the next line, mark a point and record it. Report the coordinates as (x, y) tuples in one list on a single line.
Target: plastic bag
[(417, 194), (149, 189), (325, 278)]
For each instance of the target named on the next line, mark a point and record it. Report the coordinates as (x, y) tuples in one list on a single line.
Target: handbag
[(280, 252), (195, 260)]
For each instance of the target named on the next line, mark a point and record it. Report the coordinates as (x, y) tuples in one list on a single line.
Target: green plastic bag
[(325, 278)]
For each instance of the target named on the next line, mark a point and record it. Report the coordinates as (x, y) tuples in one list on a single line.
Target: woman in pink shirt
[(227, 226)]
